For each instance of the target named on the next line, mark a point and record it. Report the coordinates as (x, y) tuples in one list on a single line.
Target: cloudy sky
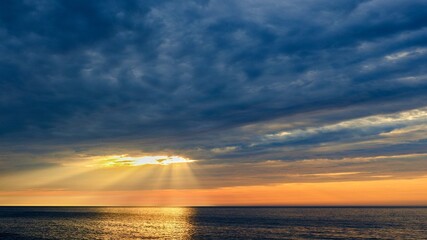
[(135, 102)]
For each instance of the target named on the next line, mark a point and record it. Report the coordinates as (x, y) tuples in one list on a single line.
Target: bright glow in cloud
[(125, 160), (224, 149), (403, 54)]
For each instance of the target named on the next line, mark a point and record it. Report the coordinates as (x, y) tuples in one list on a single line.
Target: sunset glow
[(411, 192)]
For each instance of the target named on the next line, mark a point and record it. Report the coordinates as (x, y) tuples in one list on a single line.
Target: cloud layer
[(226, 83)]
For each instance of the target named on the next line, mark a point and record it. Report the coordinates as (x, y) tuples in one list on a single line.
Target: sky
[(213, 102)]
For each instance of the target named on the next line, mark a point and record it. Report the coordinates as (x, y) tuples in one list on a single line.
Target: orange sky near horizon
[(411, 192)]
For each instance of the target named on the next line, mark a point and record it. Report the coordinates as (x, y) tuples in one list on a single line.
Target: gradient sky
[(210, 102)]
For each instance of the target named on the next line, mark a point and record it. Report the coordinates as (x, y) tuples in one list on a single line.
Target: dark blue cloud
[(156, 75)]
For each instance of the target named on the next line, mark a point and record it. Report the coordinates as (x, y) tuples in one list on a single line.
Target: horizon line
[(223, 206)]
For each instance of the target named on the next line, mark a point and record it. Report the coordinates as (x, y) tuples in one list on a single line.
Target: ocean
[(43, 223)]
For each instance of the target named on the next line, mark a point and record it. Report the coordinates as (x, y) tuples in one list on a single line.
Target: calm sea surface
[(212, 223)]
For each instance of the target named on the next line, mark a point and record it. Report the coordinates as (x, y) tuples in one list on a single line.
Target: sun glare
[(125, 160)]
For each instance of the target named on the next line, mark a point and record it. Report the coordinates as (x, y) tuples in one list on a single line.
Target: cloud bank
[(226, 83)]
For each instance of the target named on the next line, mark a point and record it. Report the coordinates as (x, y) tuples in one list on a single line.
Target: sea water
[(212, 223)]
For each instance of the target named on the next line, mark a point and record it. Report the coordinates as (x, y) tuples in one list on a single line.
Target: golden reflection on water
[(146, 223), (177, 222), (89, 223)]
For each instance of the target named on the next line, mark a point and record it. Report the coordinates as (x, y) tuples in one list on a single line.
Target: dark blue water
[(212, 223)]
